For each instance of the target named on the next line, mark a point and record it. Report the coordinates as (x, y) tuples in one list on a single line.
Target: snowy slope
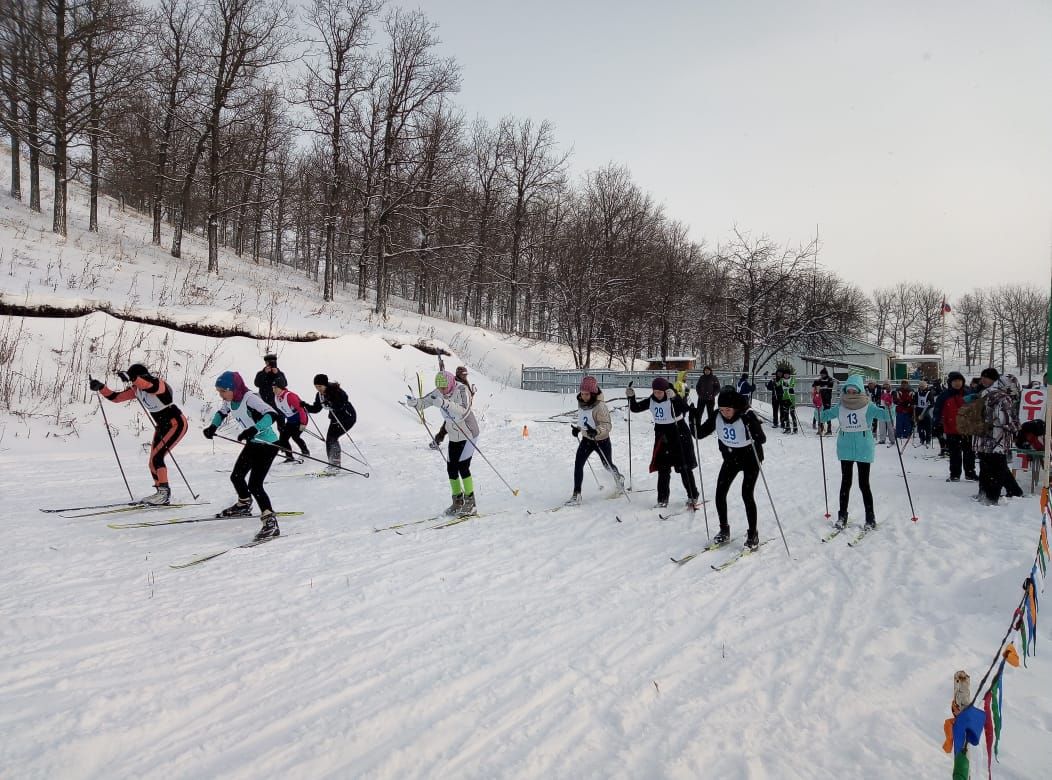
[(515, 645), (119, 268)]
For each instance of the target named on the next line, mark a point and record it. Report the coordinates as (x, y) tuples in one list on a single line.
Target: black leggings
[(255, 460), (290, 431), (863, 485), (728, 471), (586, 448), (457, 468)]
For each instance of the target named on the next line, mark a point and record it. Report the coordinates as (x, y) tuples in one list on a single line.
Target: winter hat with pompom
[(590, 385)]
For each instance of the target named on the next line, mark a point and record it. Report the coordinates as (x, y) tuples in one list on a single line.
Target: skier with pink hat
[(453, 400), (593, 428)]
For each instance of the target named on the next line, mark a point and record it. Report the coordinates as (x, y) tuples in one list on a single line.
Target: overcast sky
[(917, 135)]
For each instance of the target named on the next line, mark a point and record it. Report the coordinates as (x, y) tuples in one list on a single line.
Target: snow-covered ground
[(517, 644)]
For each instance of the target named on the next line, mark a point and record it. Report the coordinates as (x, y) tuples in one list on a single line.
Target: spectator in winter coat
[(854, 444), (1002, 424), (745, 388), (924, 401), (788, 388), (873, 391), (264, 381), (826, 384), (774, 387), (672, 445), (708, 389), (905, 404), (944, 414), (887, 428)]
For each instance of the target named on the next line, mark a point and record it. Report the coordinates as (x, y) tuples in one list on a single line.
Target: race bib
[(853, 420), (732, 434)]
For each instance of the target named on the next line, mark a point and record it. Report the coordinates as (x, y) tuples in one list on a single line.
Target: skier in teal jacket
[(854, 445)]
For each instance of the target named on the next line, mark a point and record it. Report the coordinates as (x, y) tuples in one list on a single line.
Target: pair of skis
[(113, 509), (442, 521), (182, 520), (866, 530), (744, 552)]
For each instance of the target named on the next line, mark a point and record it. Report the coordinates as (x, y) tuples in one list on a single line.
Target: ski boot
[(693, 504), (456, 507), (575, 500), (973, 477), (841, 521), (953, 479), (661, 504), (619, 478), (242, 508), (469, 505), (269, 529), (161, 497), (722, 536), (871, 520), (752, 540)]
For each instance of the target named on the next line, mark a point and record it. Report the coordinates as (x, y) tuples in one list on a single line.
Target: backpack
[(971, 418)]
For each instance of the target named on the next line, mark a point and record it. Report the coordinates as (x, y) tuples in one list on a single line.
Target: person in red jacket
[(294, 418), (905, 403), (169, 422), (944, 413)]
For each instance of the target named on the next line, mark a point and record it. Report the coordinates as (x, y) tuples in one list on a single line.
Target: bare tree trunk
[(16, 153)]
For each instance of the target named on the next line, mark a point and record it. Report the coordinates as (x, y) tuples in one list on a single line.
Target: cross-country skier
[(672, 447), (169, 422), (462, 377), (738, 430), (342, 415), (256, 419), (295, 418), (453, 400), (854, 443), (593, 428)]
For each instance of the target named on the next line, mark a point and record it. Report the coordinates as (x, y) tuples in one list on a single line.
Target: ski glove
[(590, 432), (412, 403), (96, 385), (124, 377), (575, 431), (248, 434), (630, 392), (209, 432), (435, 445)]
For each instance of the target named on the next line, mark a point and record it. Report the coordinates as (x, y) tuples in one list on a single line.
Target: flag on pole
[(945, 307)]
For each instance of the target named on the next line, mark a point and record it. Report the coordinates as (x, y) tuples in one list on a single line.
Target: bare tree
[(338, 74), (971, 317), (533, 166), (883, 301), (412, 77), (928, 316)]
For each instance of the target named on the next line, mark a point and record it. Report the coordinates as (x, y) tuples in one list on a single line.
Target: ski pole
[(595, 476), (319, 437), (106, 422), (822, 450), (902, 465), (427, 427), (364, 460), (701, 480), (167, 450), (610, 468), (629, 441), (770, 498), (285, 449), (465, 434)]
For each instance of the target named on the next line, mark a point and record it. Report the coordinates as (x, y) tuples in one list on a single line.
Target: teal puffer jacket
[(857, 445)]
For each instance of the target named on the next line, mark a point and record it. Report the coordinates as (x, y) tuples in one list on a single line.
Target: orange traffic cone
[(525, 432)]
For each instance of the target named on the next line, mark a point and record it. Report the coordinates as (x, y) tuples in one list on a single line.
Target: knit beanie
[(321, 379), (445, 382), (988, 373), (732, 398), (590, 385), (659, 383), (226, 381)]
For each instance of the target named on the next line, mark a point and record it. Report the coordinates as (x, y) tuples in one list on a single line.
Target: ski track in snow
[(513, 645)]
